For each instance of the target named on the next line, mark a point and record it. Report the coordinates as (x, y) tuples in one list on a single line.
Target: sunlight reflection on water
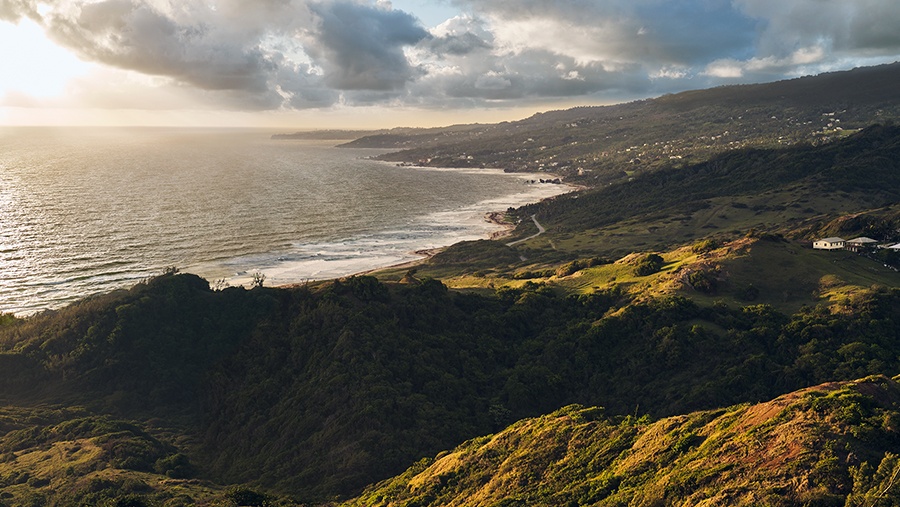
[(89, 210)]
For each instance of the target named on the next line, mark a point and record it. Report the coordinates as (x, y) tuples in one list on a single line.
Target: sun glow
[(32, 65)]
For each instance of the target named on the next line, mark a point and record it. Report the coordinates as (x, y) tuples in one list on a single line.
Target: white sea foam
[(392, 246)]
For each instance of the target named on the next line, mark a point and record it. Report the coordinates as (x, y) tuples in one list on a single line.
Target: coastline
[(286, 229), (494, 217), (497, 219), (399, 245)]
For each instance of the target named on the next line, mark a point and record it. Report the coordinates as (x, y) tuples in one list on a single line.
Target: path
[(540, 231)]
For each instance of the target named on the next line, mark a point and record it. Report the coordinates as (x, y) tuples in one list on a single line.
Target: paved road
[(540, 231)]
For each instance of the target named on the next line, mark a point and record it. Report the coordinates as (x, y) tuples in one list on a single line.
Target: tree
[(649, 265), (258, 279)]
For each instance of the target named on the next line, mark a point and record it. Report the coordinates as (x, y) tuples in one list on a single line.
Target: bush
[(704, 246), (748, 293), (703, 282), (242, 496), (650, 264), (175, 466), (579, 264)]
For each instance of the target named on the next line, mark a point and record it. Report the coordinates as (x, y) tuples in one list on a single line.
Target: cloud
[(14, 10), (770, 66), (858, 27), (667, 33), (135, 36), (460, 36), (360, 47), (261, 55), (299, 54)]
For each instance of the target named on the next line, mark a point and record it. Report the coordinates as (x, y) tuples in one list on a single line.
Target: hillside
[(594, 145), (316, 392), (833, 444), (848, 188), (857, 173), (678, 281)]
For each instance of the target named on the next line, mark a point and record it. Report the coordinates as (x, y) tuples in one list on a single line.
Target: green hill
[(316, 392), (594, 145), (833, 444), (858, 173), (848, 188)]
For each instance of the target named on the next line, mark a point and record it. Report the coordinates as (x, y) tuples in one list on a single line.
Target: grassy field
[(786, 274)]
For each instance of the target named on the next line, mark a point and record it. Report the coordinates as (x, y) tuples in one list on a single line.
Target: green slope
[(857, 173), (834, 444), (317, 392), (848, 188)]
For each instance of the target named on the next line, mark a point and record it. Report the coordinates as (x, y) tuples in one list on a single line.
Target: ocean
[(89, 210)]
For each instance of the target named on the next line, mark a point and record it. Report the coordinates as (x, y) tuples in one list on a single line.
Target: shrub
[(748, 293), (703, 282), (704, 246), (650, 264), (175, 466), (579, 264), (242, 496)]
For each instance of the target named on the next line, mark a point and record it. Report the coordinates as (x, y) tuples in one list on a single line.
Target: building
[(860, 244), (829, 244)]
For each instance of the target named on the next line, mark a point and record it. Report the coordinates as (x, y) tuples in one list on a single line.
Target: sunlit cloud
[(295, 55)]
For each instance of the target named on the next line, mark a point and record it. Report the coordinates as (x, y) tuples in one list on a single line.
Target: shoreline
[(496, 218), (499, 218), (487, 223)]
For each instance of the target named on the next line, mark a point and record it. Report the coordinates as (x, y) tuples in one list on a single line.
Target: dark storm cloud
[(859, 27), (360, 47)]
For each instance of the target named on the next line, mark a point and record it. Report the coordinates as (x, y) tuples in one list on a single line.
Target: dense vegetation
[(683, 289), (835, 444), (320, 392)]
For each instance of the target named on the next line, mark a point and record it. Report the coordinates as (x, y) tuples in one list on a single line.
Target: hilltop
[(833, 444)]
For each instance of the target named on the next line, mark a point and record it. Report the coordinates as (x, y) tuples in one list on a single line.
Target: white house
[(860, 244), (829, 244)]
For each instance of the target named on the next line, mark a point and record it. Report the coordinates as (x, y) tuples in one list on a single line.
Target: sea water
[(88, 210)]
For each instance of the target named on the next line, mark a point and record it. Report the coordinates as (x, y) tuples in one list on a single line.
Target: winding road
[(540, 231)]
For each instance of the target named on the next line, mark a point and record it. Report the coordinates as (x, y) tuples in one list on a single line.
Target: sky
[(308, 64)]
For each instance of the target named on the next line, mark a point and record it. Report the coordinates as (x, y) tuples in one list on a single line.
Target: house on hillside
[(829, 244), (861, 244)]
